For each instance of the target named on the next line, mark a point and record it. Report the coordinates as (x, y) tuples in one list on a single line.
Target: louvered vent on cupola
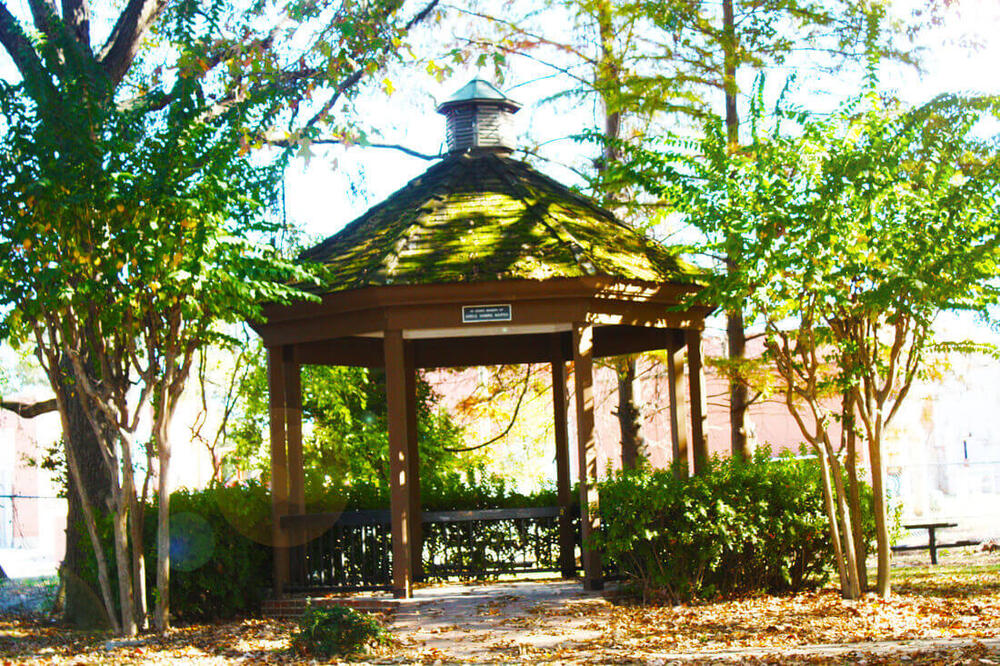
[(480, 117)]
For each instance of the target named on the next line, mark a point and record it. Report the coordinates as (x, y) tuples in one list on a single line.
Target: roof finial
[(479, 118)]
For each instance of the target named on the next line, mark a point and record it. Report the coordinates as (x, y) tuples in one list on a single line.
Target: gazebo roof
[(480, 217), (478, 90)]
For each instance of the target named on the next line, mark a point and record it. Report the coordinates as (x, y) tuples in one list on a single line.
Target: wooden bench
[(932, 544)]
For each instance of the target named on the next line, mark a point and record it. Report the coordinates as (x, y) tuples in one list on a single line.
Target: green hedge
[(220, 563), (221, 566), (739, 528)]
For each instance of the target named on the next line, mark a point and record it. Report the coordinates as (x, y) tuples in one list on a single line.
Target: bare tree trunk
[(139, 562), (882, 585), (164, 412), (831, 515), (854, 491), (739, 396), (120, 533), (607, 82), (162, 619), (628, 413), (738, 393), (82, 606), (66, 396), (853, 589)]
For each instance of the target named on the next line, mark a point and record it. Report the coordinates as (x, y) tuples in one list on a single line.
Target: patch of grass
[(39, 581), (948, 581)]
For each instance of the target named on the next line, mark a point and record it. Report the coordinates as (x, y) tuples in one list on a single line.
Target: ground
[(945, 614)]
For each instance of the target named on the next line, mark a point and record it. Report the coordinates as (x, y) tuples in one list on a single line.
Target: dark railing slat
[(353, 548)]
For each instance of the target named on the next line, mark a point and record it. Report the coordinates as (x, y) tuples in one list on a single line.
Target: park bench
[(932, 543)]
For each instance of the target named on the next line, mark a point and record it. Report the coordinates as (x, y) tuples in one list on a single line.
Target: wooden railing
[(353, 550)]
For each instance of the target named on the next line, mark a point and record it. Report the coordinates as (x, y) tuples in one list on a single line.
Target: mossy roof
[(485, 217)]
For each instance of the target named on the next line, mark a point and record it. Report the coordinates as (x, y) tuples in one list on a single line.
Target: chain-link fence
[(32, 534)]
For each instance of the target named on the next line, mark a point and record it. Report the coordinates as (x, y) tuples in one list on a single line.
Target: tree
[(670, 62), (133, 214), (859, 230)]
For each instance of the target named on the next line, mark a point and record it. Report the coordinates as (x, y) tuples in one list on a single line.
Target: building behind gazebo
[(480, 260)]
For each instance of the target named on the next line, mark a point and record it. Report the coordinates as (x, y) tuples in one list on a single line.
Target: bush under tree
[(741, 527)]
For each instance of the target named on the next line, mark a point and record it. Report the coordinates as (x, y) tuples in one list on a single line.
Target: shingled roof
[(476, 217)]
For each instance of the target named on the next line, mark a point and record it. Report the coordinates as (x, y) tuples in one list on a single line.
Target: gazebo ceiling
[(479, 217)]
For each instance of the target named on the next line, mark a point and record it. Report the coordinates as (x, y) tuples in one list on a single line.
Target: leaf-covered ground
[(946, 614)]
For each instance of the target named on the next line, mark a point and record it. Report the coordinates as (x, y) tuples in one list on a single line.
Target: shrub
[(220, 565), (337, 631), (741, 527)]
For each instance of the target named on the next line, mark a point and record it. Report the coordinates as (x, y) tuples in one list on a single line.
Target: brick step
[(293, 607)]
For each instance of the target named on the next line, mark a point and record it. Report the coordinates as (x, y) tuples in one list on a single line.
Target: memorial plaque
[(477, 314)]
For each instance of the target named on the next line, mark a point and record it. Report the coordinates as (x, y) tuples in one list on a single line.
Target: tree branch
[(510, 425), (76, 16), (119, 51), (43, 13), (285, 143), (29, 410), (18, 45)]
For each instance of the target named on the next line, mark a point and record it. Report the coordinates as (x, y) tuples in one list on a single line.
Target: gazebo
[(481, 260)]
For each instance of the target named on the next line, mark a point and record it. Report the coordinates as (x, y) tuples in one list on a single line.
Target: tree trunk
[(854, 492), (831, 516), (853, 589), (124, 565), (607, 82), (139, 562), (738, 393), (736, 332), (164, 415), (628, 413), (83, 608), (162, 617), (882, 585)]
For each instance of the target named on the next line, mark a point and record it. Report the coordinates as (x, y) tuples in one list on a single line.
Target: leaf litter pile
[(944, 614)]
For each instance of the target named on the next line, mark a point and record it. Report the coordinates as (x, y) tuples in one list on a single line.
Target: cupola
[(480, 118)]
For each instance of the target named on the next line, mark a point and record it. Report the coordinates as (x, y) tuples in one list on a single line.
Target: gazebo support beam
[(279, 464), (293, 443), (401, 465), (560, 421), (413, 464), (699, 412), (590, 521), (678, 406)]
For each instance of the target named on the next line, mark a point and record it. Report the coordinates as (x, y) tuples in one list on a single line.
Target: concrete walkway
[(484, 622), (557, 621)]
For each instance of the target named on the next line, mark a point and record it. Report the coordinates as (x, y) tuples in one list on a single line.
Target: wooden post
[(590, 520), (413, 464), (296, 474), (699, 411), (293, 433), (560, 421), (678, 408), (279, 465), (401, 500)]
